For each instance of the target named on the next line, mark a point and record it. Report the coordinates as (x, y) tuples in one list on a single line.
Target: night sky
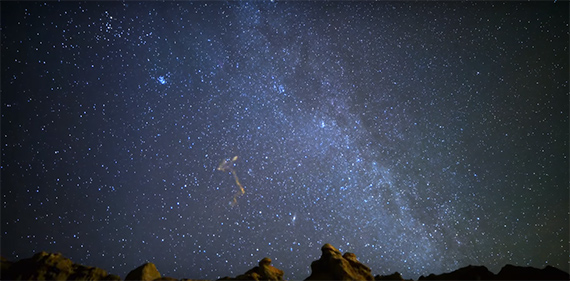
[(423, 137)]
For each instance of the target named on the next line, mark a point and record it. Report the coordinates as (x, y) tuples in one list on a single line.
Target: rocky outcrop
[(145, 272), (52, 266), (334, 266), (265, 271), (508, 272)]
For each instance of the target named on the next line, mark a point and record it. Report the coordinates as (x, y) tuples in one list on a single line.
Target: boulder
[(53, 266), (145, 272), (334, 266), (265, 271)]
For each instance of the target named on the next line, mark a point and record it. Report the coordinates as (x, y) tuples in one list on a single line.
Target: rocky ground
[(333, 265)]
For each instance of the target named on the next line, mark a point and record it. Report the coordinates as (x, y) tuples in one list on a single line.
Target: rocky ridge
[(508, 272), (51, 266), (332, 265)]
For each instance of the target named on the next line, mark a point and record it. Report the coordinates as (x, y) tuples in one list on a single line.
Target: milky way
[(422, 137)]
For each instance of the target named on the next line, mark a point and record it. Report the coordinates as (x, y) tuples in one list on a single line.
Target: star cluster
[(421, 136)]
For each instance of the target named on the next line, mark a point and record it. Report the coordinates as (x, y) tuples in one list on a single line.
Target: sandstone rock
[(265, 261), (145, 272), (53, 266), (334, 266), (265, 271), (511, 272)]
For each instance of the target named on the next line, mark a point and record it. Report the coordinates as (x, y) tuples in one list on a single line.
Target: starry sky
[(423, 137)]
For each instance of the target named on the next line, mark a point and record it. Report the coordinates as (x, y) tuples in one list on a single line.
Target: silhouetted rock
[(5, 266), (508, 272), (511, 272), (265, 271), (52, 266), (166, 279), (145, 272), (334, 266), (466, 273), (394, 276)]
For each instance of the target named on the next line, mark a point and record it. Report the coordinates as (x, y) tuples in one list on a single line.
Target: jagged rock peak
[(334, 266)]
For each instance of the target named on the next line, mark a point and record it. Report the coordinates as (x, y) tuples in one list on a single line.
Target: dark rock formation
[(5, 266), (466, 273), (334, 266), (51, 266), (265, 271), (166, 279), (331, 266), (511, 272), (145, 272), (394, 276)]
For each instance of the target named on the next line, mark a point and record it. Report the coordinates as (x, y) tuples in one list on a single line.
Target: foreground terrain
[(333, 265)]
